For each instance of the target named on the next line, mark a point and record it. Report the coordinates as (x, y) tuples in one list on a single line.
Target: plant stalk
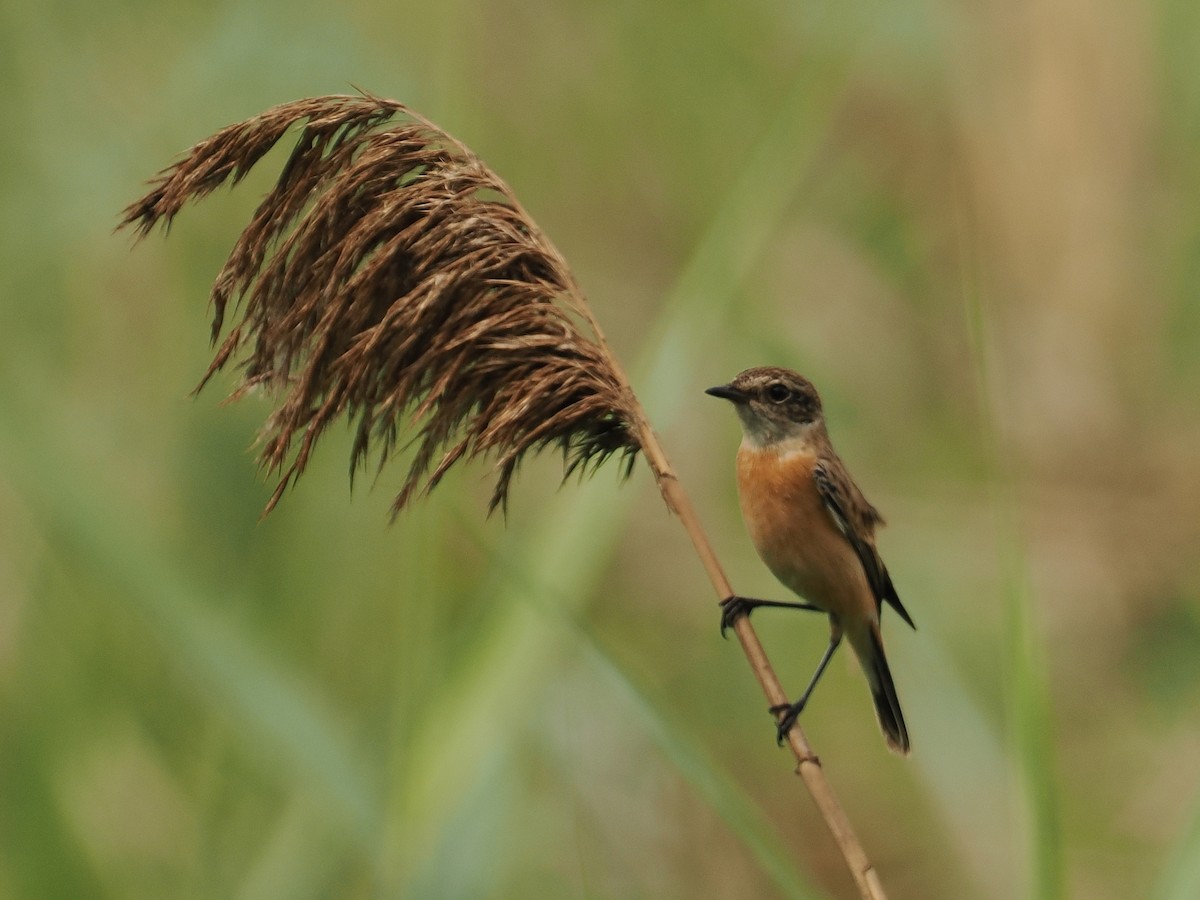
[(808, 764)]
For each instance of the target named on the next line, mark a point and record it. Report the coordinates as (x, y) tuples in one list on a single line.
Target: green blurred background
[(975, 227)]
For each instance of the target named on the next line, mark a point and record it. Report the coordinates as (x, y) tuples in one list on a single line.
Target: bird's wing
[(856, 519)]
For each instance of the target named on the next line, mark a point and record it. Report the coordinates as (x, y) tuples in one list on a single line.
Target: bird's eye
[(778, 393)]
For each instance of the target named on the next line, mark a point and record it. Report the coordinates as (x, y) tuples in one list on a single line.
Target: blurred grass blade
[(1027, 678), (1180, 879), (963, 763), (444, 762), (743, 225), (294, 863), (476, 860)]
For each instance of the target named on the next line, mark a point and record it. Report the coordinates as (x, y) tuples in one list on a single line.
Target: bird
[(814, 530)]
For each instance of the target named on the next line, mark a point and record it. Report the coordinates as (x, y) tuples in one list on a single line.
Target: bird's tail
[(883, 690)]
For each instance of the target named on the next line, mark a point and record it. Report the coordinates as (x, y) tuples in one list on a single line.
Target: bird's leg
[(791, 712), (734, 607)]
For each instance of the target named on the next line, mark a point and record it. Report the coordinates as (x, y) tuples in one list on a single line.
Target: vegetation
[(975, 233)]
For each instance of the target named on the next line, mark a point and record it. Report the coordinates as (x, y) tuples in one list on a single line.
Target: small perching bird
[(814, 529)]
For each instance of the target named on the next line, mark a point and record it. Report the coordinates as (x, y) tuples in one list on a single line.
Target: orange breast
[(795, 535)]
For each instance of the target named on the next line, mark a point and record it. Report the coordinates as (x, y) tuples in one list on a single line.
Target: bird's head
[(775, 405)]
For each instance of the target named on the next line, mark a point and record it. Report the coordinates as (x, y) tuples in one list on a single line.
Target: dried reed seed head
[(392, 277)]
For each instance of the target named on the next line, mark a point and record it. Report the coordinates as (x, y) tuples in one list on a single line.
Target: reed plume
[(393, 278)]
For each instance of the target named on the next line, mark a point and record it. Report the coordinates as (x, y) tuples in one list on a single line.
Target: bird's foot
[(733, 608), (788, 714)]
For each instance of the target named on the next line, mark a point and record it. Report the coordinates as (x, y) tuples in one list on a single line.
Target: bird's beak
[(726, 392)]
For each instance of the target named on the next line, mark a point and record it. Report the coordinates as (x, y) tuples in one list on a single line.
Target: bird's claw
[(790, 713), (732, 609)]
